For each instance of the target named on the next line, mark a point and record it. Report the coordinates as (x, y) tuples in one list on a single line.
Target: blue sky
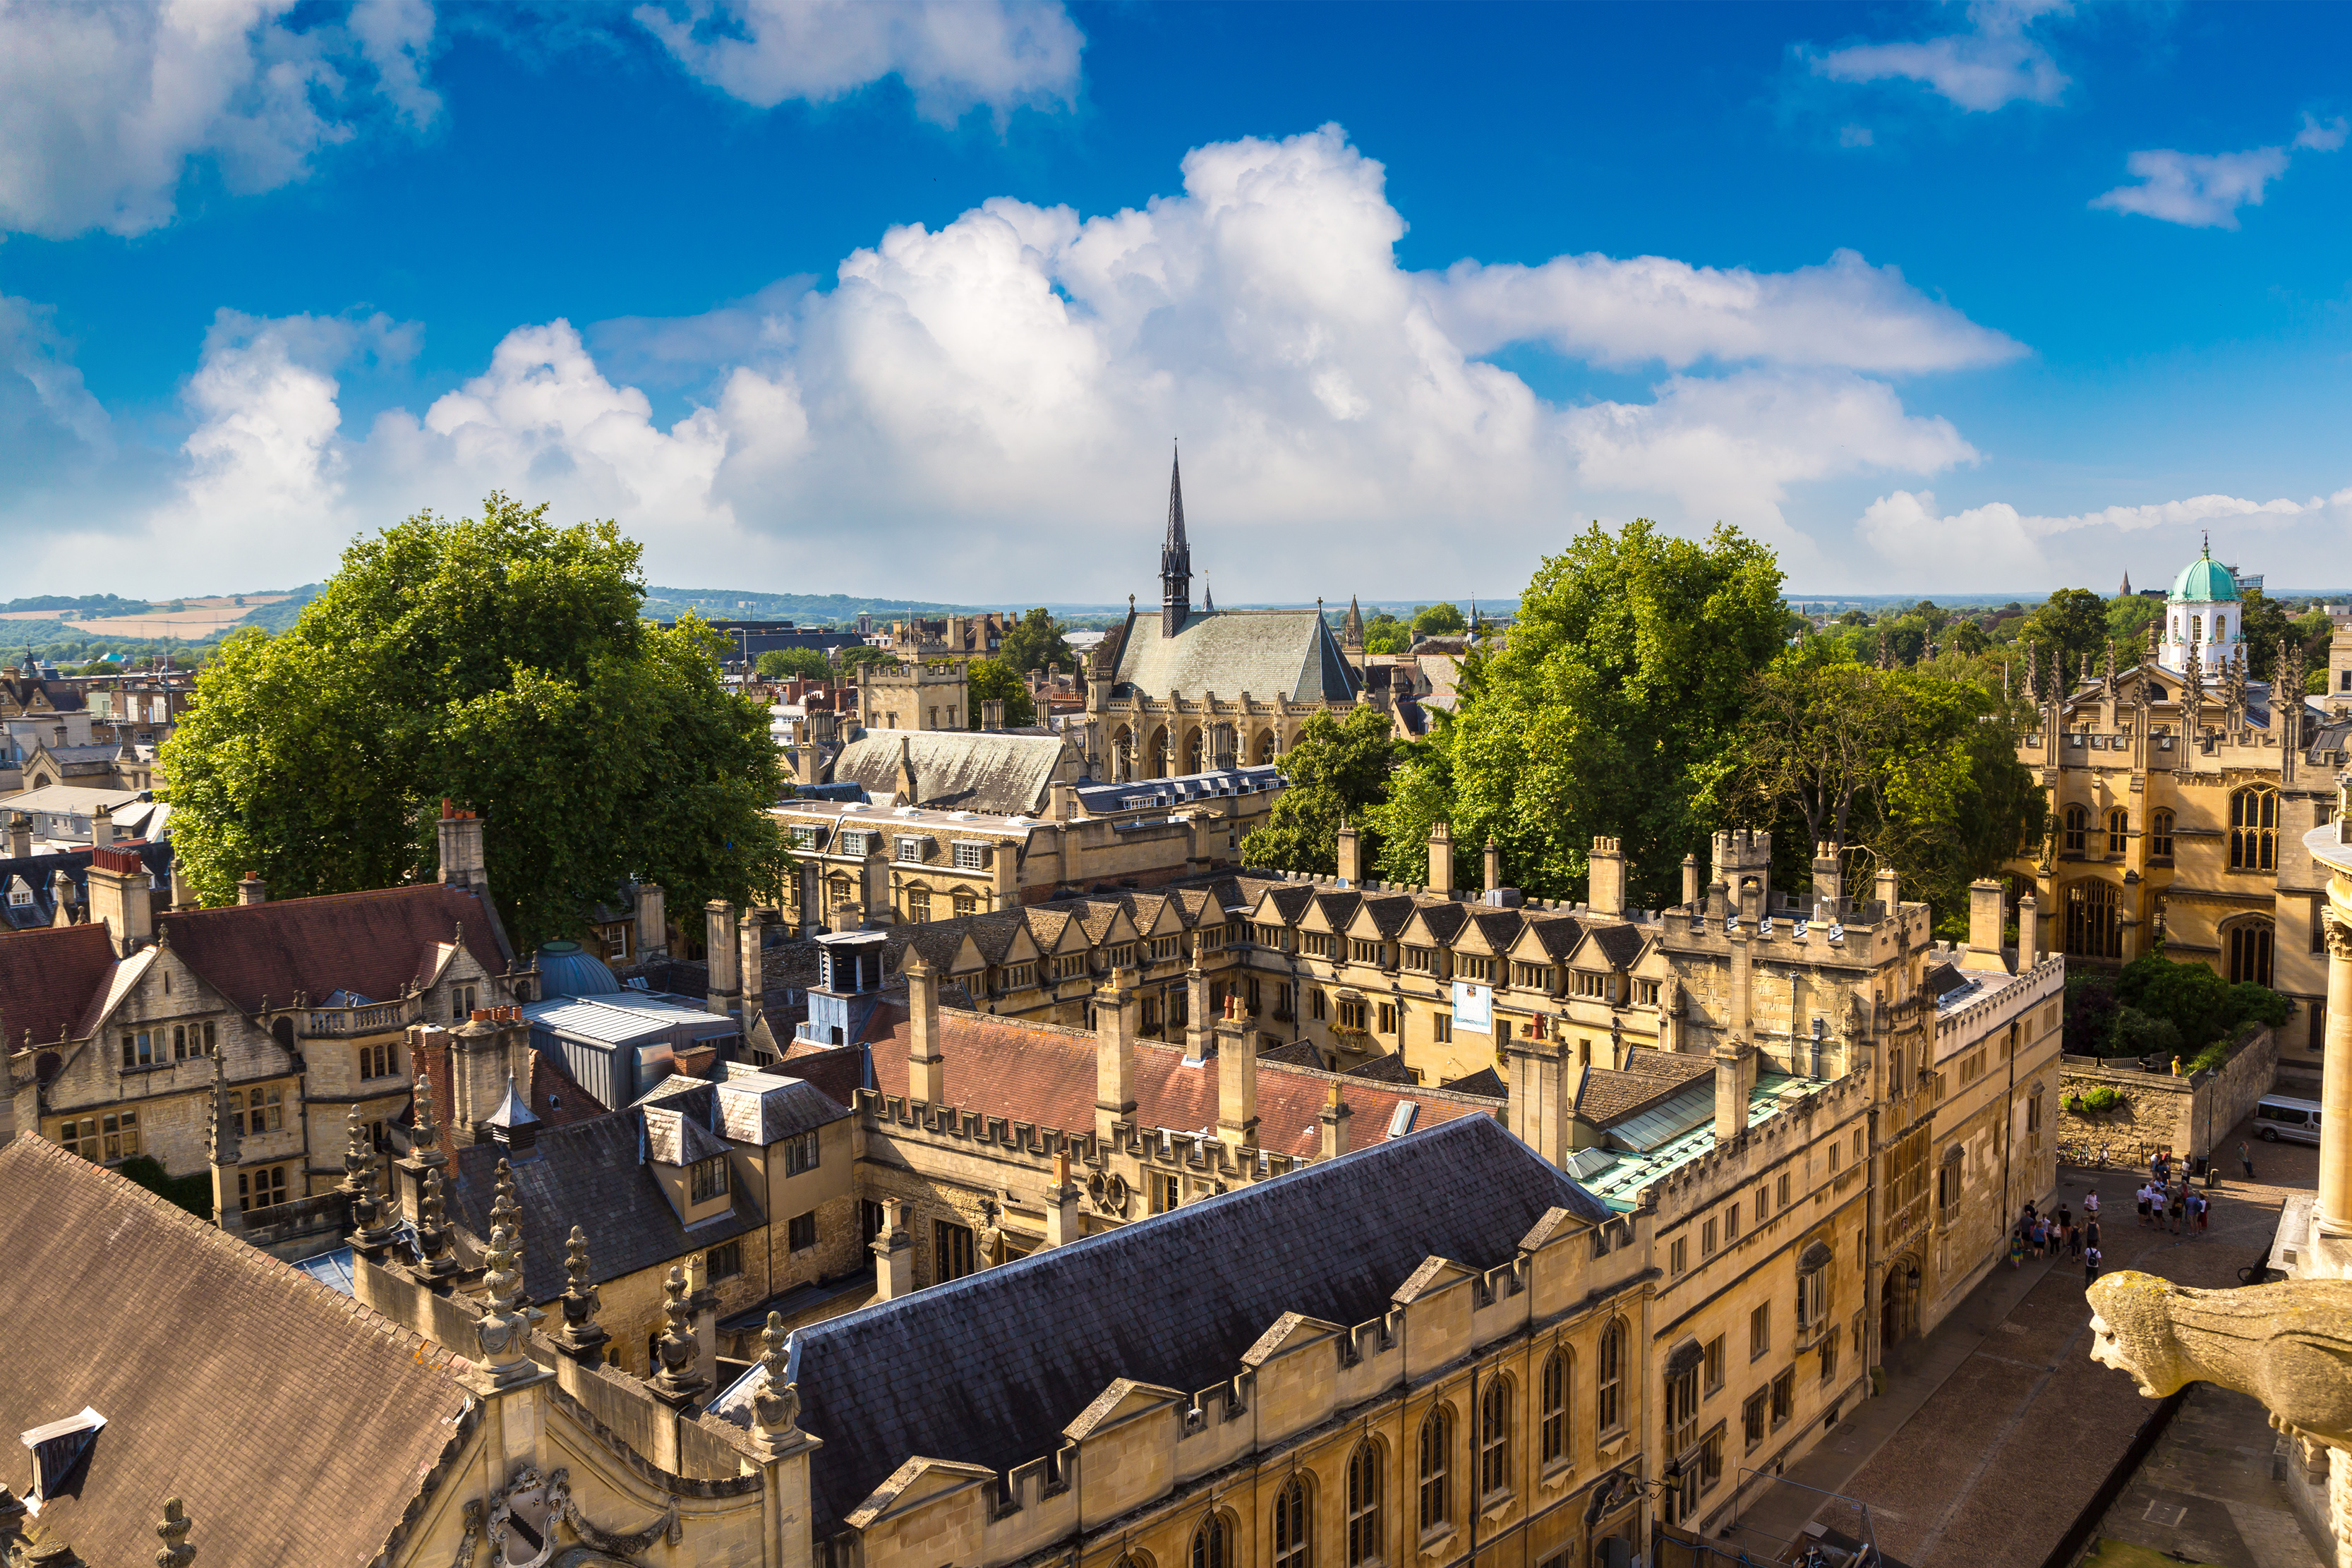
[(910, 298)]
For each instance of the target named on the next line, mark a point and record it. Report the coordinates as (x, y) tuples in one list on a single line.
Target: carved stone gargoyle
[(2289, 1345)]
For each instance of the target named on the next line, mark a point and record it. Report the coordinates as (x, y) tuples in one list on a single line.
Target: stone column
[(2334, 1202)]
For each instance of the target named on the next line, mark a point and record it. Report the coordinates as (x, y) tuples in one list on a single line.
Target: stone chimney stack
[(927, 1069), (120, 896), (1890, 890), (1200, 1019), (1829, 875), (751, 935), (479, 1071), (101, 827), (1114, 1053), (1236, 1076), (462, 864), (1335, 1125), (894, 1253), (1984, 950), (1441, 859), (1734, 1064), (1690, 882), (1607, 896), (1494, 865), (2029, 933), (723, 957), (1543, 1085), (1065, 1221), (228, 1205), (252, 889), (1351, 861), (20, 834), (992, 713), (653, 920)]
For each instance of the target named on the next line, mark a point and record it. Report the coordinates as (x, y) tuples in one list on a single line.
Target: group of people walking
[(2037, 1232)]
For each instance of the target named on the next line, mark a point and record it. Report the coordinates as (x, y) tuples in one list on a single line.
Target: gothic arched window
[(2118, 829), (2078, 827), (2159, 834), (2253, 829), (1364, 1505), (1213, 1543), (1436, 1441), (1495, 1438), (2094, 920), (1291, 1523), (1554, 1443), (1609, 1405), (2250, 952)]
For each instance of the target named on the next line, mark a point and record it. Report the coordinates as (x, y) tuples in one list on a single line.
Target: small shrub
[(2138, 1034), (194, 1194), (2100, 1101)]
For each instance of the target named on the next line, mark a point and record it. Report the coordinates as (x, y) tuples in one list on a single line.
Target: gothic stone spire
[(1352, 628), (1175, 559)]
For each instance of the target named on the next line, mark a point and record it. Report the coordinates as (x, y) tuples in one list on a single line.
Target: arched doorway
[(1898, 1305), (1193, 761)]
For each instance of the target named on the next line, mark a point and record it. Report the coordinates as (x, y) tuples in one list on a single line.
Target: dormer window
[(59, 1449), (706, 1179)]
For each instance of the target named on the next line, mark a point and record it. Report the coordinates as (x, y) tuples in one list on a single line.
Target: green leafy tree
[(865, 653), (2265, 625), (990, 679), (1036, 642), (1967, 638), (2201, 1004), (502, 663), (1385, 634), (1612, 707), (2127, 624), (2073, 624), (1439, 621), (1917, 770), (1336, 773), (783, 663)]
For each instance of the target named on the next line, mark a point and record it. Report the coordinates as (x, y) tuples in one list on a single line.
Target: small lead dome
[(566, 969), (2204, 580)]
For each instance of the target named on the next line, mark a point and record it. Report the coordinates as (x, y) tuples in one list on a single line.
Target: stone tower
[(1175, 559)]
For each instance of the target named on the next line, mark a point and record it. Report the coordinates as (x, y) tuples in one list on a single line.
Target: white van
[(2279, 1117)]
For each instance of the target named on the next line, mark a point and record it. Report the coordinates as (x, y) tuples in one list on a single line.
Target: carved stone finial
[(504, 1211), (428, 1140), (501, 1329), (777, 1405), (434, 1258), (2285, 1345), (679, 1380), (173, 1532), (582, 1337)]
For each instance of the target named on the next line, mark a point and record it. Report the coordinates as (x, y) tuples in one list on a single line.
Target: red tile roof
[(298, 1430), (47, 981), (373, 942), (1044, 1074)]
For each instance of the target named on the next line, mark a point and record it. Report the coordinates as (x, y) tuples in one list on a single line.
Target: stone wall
[(2186, 1116)]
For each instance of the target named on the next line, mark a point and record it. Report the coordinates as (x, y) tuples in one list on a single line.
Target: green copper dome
[(2204, 580)]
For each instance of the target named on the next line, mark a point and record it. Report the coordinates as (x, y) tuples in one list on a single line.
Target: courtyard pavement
[(1994, 1432)]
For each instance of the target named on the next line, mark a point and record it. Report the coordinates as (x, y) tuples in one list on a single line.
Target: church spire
[(1208, 599), (1175, 558), (1351, 630)]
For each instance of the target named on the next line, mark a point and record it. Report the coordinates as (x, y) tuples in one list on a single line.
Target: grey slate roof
[(1102, 799), (1267, 652), (588, 1175), (988, 1369), (37, 874), (959, 770), (1621, 944), (676, 1138)]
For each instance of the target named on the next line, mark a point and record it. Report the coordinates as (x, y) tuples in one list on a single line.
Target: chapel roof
[(1286, 653)]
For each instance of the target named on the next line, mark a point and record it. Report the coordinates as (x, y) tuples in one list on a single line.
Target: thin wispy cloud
[(1993, 62), (2205, 190)]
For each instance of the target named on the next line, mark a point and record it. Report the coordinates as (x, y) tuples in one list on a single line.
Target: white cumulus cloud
[(1995, 546), (104, 104), (952, 54), (2205, 190), (983, 410), (1995, 62)]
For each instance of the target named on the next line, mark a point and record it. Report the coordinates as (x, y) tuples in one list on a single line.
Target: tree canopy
[(1438, 621), (783, 663), (1606, 711), (499, 662), (1335, 772), (990, 679), (1035, 642)]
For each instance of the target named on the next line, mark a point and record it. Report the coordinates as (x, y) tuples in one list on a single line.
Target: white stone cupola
[(2204, 611)]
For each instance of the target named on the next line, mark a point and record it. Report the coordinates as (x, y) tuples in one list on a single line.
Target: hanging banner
[(1474, 1007)]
